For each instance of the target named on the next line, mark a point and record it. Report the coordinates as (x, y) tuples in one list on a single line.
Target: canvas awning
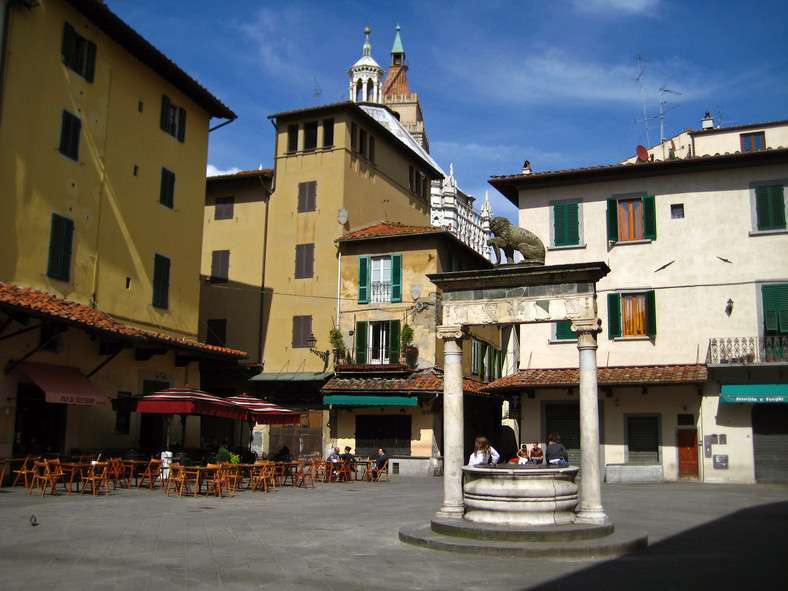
[(344, 400), (63, 384), (292, 376), (754, 393)]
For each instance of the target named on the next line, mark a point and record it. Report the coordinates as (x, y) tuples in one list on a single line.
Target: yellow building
[(388, 388), (103, 149)]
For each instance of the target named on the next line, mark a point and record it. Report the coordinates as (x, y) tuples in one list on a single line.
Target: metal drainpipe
[(339, 284), (261, 339)]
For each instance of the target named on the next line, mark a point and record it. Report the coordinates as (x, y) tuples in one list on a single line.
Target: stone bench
[(624, 473)]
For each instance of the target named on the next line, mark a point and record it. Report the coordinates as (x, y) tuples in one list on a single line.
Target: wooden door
[(687, 442)]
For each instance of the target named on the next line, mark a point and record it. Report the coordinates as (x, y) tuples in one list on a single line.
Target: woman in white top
[(483, 453)]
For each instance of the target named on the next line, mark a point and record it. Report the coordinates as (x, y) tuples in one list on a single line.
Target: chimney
[(707, 122), (526, 167)]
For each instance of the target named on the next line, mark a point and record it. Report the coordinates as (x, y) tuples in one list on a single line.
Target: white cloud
[(211, 170), (627, 6)]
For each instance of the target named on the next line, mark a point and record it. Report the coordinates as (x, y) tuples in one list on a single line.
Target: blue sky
[(500, 81)]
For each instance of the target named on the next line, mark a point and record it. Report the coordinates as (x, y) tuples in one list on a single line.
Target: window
[(412, 179), (305, 261), (371, 154), (292, 138), (566, 224), (677, 211), (380, 279), (122, 416), (362, 143), (70, 129), (307, 196), (220, 266), (173, 118), (310, 135), (631, 219), (217, 332), (161, 282), (224, 208), (391, 432), (167, 188), (631, 314), (564, 332), (328, 133), (453, 263), (377, 342), (770, 207), (354, 137), (642, 436), (302, 328), (775, 309), (61, 237), (475, 353), (78, 53), (752, 142)]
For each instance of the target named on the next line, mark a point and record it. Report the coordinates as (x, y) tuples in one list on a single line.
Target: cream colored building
[(103, 146), (692, 309)]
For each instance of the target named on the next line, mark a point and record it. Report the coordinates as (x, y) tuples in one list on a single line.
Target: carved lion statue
[(509, 238)]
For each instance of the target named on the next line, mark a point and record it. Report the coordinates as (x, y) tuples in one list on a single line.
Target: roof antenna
[(318, 90), (663, 101), (639, 79)]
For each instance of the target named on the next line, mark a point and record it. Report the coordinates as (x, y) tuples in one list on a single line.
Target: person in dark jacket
[(555, 453)]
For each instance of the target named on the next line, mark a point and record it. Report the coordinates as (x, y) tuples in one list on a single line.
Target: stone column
[(590, 507), (453, 423)]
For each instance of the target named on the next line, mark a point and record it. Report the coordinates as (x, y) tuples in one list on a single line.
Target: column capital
[(451, 332), (586, 330)]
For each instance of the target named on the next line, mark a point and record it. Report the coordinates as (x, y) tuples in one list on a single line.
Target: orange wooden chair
[(263, 476), (97, 477), (178, 480), (302, 472), (377, 473), (218, 481), (25, 472), (152, 473), (46, 474)]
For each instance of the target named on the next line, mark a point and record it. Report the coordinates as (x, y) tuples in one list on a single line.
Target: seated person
[(483, 454), (336, 462), (522, 454), (380, 461), (556, 453), (348, 457), (536, 454)]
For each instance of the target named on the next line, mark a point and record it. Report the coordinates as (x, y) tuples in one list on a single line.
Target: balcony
[(747, 350), (377, 359)]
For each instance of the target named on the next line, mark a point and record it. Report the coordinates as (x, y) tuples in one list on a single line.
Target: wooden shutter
[(649, 218), (302, 328), (775, 307), (363, 280), (181, 124), (770, 207), (167, 189), (70, 130), (396, 278), (90, 61), (220, 266), (566, 224), (394, 341), (612, 219), (60, 243), (165, 113), (614, 315), (361, 343), (161, 282), (563, 330), (68, 44), (651, 314), (305, 261), (307, 196), (474, 356)]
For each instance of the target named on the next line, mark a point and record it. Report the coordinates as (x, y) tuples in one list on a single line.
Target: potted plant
[(337, 343), (407, 347)]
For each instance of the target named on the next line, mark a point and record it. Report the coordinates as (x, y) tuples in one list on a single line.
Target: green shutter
[(775, 307), (770, 207), (482, 359), (363, 280), (161, 282), (651, 314), (559, 225), (65, 51), (361, 343), (782, 307), (612, 219), (566, 224), (70, 129), (563, 331), (614, 315), (60, 244), (394, 341), (90, 62), (165, 113), (396, 278), (167, 188), (649, 218), (181, 124)]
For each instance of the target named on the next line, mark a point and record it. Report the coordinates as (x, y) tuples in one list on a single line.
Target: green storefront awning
[(754, 393), (370, 400)]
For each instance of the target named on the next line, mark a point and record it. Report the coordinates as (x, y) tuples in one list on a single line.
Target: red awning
[(188, 401), (64, 385), (266, 413)]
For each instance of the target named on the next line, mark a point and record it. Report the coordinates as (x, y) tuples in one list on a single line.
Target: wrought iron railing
[(744, 350), (380, 291), (377, 356)]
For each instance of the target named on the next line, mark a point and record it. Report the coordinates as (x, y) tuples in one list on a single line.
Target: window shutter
[(394, 341), (651, 314), (301, 197), (305, 261), (563, 330), (396, 278), (614, 314), (372, 149), (612, 219), (361, 343), (565, 222), (649, 218), (68, 43), (165, 113), (181, 124), (70, 130), (167, 189), (770, 305), (474, 356), (60, 244), (90, 63), (161, 282), (363, 280), (770, 207), (220, 266), (483, 360)]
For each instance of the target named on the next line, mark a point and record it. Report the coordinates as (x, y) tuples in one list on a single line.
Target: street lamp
[(311, 342)]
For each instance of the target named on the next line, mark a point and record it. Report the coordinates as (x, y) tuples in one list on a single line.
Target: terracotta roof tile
[(606, 376), (46, 304), (390, 229), (426, 380)]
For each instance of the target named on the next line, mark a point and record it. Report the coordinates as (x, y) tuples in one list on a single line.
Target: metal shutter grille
[(643, 440)]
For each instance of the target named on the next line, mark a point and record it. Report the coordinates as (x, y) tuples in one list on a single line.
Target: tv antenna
[(639, 79), (318, 90), (662, 102)]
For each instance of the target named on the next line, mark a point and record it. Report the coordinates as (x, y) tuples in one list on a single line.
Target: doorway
[(687, 443), (40, 426)]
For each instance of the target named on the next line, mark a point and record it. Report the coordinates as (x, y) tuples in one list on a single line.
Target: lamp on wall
[(729, 307), (311, 342)]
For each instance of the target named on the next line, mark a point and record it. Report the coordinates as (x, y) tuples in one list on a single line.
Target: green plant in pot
[(337, 343), (410, 351)]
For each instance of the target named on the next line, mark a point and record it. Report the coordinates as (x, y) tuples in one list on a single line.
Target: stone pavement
[(342, 536)]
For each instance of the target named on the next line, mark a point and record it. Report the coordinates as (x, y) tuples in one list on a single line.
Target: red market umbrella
[(187, 401), (265, 413)]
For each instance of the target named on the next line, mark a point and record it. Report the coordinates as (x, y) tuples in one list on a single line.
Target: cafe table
[(10, 462), (74, 470), (135, 468)]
